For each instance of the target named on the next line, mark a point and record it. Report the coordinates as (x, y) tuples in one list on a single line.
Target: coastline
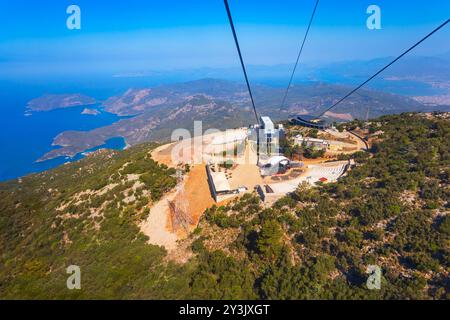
[(111, 143)]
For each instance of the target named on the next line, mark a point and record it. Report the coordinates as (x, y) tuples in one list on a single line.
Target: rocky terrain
[(156, 112)]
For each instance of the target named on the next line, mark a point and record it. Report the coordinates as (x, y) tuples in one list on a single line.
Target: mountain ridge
[(156, 112)]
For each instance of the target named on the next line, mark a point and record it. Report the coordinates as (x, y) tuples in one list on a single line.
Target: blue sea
[(25, 138)]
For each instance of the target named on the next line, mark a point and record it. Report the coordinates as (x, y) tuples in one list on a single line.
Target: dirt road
[(157, 225)]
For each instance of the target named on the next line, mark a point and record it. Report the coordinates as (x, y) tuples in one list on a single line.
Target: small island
[(92, 112)]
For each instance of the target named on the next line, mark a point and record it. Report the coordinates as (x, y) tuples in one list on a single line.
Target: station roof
[(267, 123), (275, 160), (310, 118), (310, 121), (220, 181)]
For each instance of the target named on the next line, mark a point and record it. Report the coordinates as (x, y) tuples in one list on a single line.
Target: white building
[(269, 137), (311, 142), (267, 126)]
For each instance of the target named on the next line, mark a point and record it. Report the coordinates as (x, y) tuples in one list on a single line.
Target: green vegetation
[(295, 151), (227, 164), (313, 133), (313, 153), (391, 210), (290, 149), (98, 231)]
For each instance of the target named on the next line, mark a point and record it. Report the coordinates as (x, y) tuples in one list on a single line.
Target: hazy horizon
[(141, 36)]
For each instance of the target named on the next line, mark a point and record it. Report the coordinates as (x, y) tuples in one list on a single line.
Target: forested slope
[(391, 211)]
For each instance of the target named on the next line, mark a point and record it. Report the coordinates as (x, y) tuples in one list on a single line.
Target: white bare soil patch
[(157, 227)]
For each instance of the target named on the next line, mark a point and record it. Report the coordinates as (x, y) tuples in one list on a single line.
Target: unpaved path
[(195, 191), (157, 225)]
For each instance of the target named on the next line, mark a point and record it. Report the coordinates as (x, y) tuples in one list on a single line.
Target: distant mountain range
[(417, 72), (420, 68), (156, 112)]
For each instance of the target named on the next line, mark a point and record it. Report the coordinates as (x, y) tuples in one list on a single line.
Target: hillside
[(82, 213), (391, 211), (156, 112)]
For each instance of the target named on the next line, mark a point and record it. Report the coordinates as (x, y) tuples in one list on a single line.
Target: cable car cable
[(387, 66), (240, 58), (299, 55)]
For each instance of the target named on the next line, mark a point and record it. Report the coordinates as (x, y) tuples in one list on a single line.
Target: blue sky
[(132, 35)]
